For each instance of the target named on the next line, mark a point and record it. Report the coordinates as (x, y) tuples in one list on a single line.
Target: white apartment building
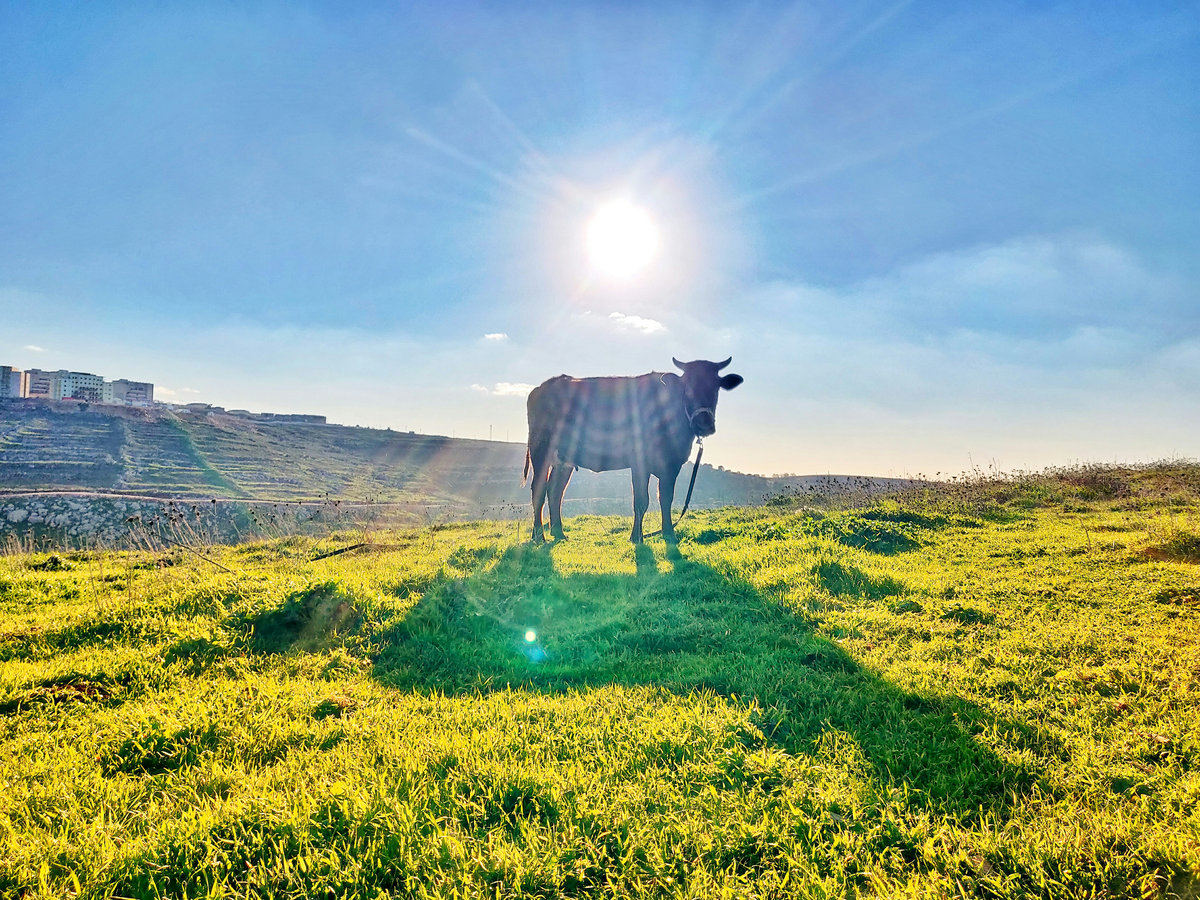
[(82, 386), (64, 385)]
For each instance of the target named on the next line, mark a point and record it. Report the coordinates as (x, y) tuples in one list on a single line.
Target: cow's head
[(701, 385)]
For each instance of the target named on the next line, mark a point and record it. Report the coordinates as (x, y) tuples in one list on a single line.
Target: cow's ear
[(729, 382)]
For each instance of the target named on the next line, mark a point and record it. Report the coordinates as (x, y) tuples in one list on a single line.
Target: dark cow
[(645, 423)]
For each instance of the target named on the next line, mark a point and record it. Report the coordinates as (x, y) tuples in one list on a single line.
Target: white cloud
[(504, 389), (639, 324), (33, 348), (512, 389), (1033, 350), (164, 391), (1028, 285), (1039, 288), (497, 336)]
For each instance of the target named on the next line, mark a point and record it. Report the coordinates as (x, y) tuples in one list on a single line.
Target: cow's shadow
[(684, 626)]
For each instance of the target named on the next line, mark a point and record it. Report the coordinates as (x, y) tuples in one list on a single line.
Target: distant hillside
[(166, 453)]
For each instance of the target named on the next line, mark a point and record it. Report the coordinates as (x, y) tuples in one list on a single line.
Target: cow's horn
[(678, 363), (722, 365)]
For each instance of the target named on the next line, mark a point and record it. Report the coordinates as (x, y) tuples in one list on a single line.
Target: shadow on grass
[(838, 578), (308, 619), (523, 623)]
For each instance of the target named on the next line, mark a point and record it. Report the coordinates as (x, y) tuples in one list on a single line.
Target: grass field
[(980, 691)]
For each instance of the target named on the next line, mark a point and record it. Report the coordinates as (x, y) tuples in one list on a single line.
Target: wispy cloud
[(163, 391), (1035, 324), (1037, 287), (33, 348), (497, 336), (512, 389), (504, 389), (639, 324)]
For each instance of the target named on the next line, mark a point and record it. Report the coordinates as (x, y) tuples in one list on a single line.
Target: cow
[(645, 423)]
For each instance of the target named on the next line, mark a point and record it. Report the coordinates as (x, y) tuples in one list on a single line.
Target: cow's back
[(609, 423)]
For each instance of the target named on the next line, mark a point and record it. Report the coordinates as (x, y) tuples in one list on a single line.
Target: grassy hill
[(980, 690)]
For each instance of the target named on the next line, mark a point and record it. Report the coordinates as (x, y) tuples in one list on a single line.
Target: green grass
[(993, 694)]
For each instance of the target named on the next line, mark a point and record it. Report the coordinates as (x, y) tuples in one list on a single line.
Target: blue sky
[(931, 235)]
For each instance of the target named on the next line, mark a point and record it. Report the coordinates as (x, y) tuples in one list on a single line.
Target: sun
[(622, 240)]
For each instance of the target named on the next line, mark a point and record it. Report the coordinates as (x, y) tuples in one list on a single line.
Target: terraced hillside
[(43, 448), (160, 458), (294, 462), (194, 455)]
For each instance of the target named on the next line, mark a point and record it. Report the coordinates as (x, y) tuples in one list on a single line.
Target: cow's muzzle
[(703, 422)]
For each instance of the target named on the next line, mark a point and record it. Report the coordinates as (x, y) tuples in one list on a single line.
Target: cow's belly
[(605, 454), (597, 460)]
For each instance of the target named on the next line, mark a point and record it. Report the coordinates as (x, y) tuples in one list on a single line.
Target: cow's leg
[(666, 495), (541, 478), (559, 476), (641, 501)]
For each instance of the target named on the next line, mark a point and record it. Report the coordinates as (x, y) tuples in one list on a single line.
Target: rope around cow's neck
[(691, 484)]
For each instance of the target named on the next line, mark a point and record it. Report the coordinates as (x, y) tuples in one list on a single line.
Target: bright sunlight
[(622, 239)]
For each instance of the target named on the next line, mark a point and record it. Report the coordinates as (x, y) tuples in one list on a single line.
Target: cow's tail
[(528, 463)]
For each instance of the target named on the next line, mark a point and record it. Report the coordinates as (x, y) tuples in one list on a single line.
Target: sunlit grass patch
[(922, 699)]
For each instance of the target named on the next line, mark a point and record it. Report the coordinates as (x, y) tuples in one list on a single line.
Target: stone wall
[(65, 521), (53, 521)]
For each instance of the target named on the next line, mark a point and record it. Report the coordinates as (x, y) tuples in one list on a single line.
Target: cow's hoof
[(538, 538), (559, 536), (635, 539)]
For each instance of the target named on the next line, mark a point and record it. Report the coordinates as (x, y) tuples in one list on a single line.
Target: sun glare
[(621, 240)]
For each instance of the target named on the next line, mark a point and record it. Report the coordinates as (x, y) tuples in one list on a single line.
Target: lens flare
[(530, 636)]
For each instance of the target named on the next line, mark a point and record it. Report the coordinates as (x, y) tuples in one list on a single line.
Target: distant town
[(84, 387), (81, 386)]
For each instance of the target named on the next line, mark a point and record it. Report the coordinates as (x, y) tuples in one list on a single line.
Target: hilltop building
[(12, 382), (85, 387), (290, 418), (64, 385), (46, 385), (285, 418), (82, 386), (131, 393)]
